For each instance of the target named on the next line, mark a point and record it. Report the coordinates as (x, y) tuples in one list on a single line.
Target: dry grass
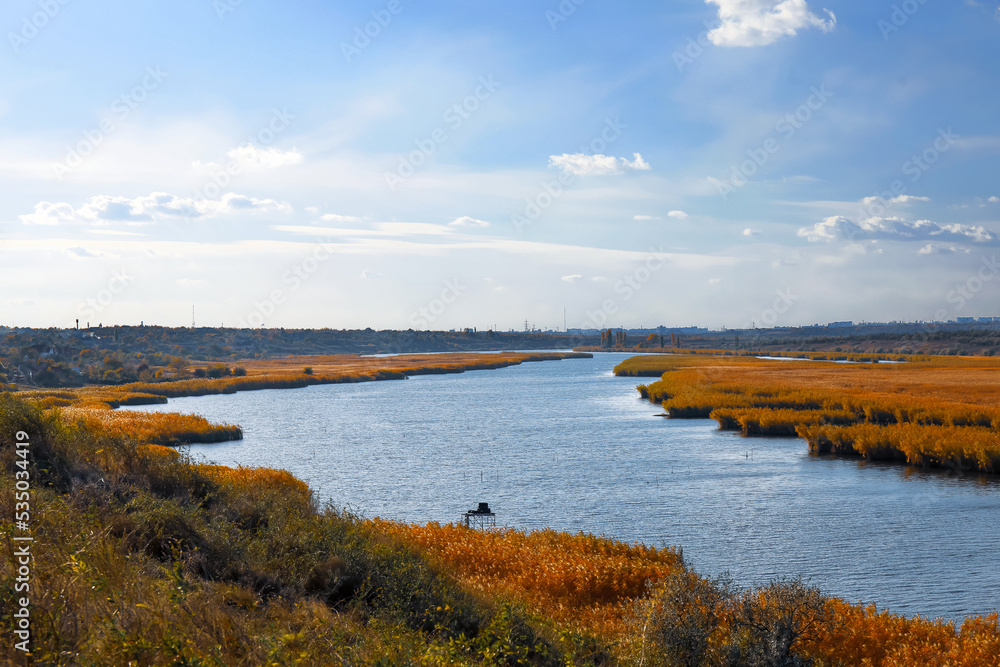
[(92, 405), (580, 580), (941, 412), (155, 428)]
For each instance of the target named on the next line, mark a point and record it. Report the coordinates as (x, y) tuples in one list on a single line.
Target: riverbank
[(141, 556), (97, 405), (937, 413)]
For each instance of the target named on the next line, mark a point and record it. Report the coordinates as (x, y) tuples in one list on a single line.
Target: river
[(566, 445)]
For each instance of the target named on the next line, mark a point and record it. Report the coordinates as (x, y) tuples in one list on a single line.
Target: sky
[(441, 165)]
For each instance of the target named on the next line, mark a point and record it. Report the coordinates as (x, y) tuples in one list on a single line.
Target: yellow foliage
[(938, 413), (577, 579)]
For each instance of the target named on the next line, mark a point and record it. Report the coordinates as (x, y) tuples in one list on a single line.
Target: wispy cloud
[(466, 221), (840, 228), (252, 158), (103, 210), (581, 164)]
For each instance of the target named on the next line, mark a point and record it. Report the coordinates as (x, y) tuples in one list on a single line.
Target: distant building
[(841, 324)]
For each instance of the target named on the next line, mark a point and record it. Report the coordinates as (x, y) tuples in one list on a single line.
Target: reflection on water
[(567, 445)]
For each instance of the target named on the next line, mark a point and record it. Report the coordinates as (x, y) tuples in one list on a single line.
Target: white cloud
[(371, 275), (571, 279), (993, 200), (678, 215), (901, 199), (333, 217), (104, 210), (636, 163), (82, 252), (752, 232), (252, 158), (190, 282), (642, 218), (714, 281), (895, 229), (581, 164), (938, 249), (762, 22), (466, 221)]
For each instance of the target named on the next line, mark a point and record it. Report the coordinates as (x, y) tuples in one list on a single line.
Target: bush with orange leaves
[(577, 579)]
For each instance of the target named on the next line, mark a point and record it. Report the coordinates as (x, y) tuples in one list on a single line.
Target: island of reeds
[(143, 557), (937, 412)]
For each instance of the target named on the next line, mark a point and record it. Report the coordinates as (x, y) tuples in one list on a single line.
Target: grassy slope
[(142, 557)]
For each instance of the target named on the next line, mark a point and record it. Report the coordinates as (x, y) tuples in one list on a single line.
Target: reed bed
[(586, 581), (151, 428), (291, 373), (142, 557), (940, 413)]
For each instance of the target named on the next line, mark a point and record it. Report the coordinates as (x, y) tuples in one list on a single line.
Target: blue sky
[(481, 163)]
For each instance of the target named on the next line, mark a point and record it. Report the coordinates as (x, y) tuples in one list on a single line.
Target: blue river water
[(566, 445)]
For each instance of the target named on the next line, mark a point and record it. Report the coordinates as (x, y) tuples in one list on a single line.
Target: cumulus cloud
[(762, 22), (993, 200), (104, 210), (678, 215), (643, 218), (751, 232), (466, 221), (894, 229), (571, 279), (371, 275), (581, 164)]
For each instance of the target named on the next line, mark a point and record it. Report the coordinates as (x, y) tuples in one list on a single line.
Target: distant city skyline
[(391, 165)]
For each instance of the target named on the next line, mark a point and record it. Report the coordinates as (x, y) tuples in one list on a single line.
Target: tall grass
[(941, 413), (143, 558)]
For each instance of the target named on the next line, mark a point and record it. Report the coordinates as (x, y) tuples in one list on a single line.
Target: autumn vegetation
[(145, 558), (94, 406), (939, 412)]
